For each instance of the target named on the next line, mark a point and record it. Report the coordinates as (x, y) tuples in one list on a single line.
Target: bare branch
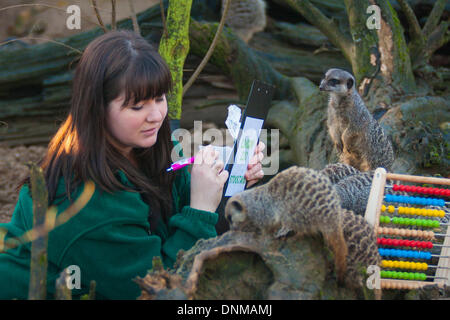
[(324, 24), (163, 18), (210, 50), (134, 18), (113, 15), (99, 18), (434, 17)]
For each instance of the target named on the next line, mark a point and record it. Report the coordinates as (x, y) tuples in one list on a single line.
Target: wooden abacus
[(414, 234)]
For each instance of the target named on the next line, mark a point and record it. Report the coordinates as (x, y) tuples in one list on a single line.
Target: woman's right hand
[(207, 180)]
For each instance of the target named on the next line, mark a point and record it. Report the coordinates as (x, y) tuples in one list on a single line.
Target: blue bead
[(441, 202)]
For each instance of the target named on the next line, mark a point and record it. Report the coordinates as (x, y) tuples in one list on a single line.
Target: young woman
[(117, 135)]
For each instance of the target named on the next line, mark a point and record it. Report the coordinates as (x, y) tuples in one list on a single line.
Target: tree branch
[(434, 17), (210, 50), (113, 15), (134, 18), (99, 18), (163, 18), (325, 25)]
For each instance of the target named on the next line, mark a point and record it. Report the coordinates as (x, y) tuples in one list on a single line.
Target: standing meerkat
[(358, 138), (304, 201), (246, 17)]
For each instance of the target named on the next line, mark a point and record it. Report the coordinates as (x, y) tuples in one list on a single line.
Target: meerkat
[(353, 186), (304, 201), (296, 200), (358, 138), (246, 17)]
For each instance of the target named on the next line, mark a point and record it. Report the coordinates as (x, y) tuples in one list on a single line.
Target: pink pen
[(180, 164)]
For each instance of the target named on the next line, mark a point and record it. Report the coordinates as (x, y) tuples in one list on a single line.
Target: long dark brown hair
[(81, 150)]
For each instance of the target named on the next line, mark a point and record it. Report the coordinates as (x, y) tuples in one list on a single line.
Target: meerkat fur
[(298, 200), (358, 138)]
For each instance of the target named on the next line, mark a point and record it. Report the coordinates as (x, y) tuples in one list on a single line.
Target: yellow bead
[(441, 213), (391, 209), (408, 265), (424, 266), (423, 212), (383, 208), (401, 210), (408, 210)]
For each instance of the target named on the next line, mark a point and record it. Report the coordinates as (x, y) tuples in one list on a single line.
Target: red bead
[(413, 243), (429, 245), (395, 187), (407, 243)]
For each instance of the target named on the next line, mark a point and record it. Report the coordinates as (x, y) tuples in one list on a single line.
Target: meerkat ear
[(349, 83)]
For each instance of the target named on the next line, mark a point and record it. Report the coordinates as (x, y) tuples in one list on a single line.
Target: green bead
[(435, 224)]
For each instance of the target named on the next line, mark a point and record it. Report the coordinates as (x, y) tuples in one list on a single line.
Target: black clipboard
[(258, 104)]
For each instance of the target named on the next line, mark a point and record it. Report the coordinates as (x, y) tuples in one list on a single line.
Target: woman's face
[(136, 126)]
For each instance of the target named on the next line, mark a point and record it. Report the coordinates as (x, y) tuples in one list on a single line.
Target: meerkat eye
[(333, 82)]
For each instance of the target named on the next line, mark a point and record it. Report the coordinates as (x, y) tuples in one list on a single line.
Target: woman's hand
[(207, 180), (254, 170)]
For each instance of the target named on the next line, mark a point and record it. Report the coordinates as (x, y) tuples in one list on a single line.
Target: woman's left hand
[(254, 170)]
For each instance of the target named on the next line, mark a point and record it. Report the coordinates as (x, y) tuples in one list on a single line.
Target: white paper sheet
[(245, 150)]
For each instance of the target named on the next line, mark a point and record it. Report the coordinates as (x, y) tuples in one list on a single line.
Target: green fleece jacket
[(109, 240)]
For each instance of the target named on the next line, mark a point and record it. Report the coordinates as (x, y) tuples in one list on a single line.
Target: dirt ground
[(12, 170)]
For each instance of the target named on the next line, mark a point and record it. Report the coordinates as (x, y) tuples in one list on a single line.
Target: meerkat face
[(337, 81), (252, 210)]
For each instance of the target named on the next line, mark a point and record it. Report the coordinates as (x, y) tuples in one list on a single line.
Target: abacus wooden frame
[(372, 215)]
